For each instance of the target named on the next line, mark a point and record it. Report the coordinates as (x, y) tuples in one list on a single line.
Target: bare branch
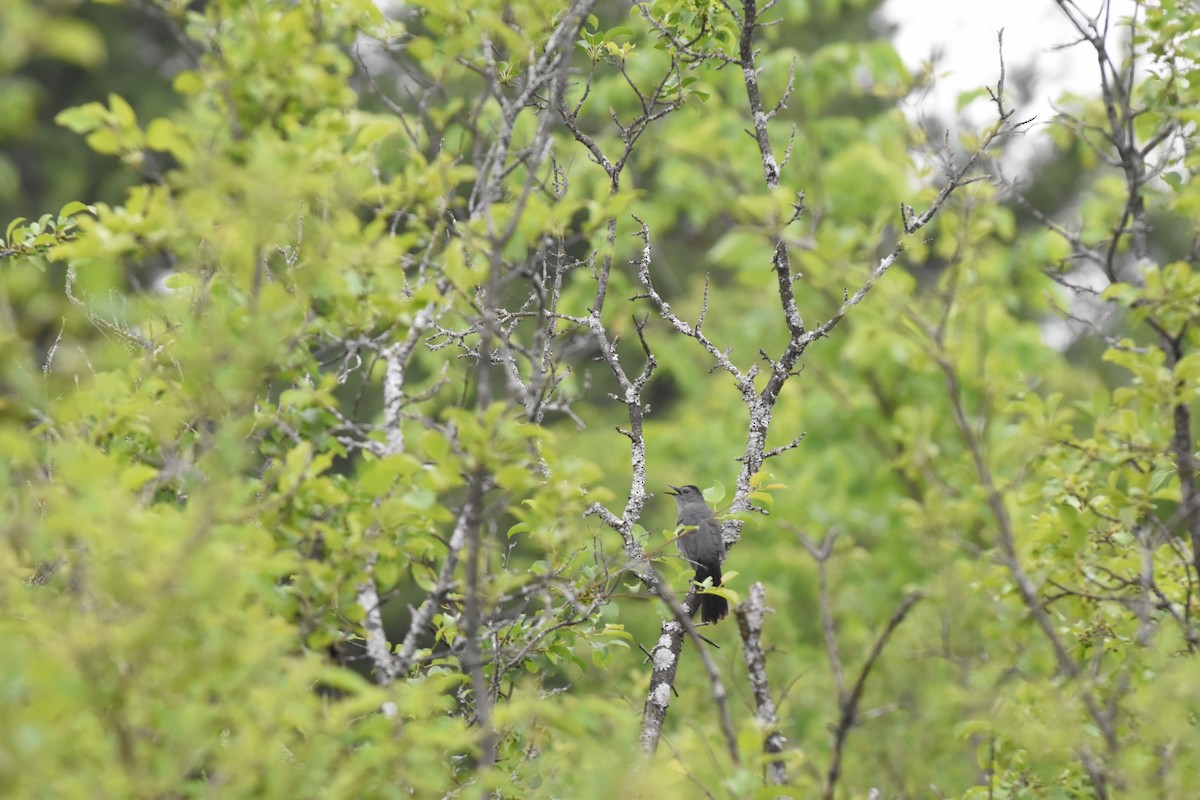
[(750, 615), (821, 554), (849, 706), (421, 618), (682, 617), (378, 649)]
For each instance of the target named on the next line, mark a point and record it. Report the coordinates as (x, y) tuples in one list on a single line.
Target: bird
[(701, 546)]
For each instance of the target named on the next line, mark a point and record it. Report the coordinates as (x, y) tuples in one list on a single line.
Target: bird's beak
[(673, 490)]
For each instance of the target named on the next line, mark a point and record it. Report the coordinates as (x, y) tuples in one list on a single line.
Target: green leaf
[(435, 446), (72, 208), (104, 141), (122, 111), (965, 99), (188, 83), (387, 573), (83, 119), (164, 135), (135, 476), (723, 591)]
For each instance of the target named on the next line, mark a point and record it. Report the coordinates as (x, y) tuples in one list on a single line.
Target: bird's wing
[(712, 530)]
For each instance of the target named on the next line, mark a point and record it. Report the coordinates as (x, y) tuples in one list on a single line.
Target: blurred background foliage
[(199, 457)]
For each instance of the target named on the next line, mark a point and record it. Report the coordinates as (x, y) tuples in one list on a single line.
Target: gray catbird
[(702, 547)]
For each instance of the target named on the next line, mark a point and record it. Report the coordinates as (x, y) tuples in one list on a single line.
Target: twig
[(821, 554), (849, 706)]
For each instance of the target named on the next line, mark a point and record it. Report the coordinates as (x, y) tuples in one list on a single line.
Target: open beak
[(672, 490)]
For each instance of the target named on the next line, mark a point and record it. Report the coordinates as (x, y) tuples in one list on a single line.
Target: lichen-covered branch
[(750, 616)]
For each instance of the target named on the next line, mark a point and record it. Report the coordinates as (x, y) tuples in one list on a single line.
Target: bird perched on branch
[(701, 546)]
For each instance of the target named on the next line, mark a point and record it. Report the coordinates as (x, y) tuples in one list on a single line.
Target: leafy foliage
[(311, 463)]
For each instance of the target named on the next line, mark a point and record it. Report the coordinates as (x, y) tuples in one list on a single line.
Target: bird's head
[(685, 493)]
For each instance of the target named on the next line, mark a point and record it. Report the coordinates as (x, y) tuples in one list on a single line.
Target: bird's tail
[(713, 607)]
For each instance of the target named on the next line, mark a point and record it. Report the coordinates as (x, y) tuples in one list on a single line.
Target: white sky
[(965, 33), (1034, 30)]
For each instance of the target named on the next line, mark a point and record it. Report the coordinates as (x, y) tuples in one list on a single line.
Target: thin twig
[(849, 707)]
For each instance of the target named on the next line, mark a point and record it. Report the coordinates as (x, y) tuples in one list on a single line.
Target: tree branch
[(849, 706), (750, 616)]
